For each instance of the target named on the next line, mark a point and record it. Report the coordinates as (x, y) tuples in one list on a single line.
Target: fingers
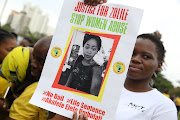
[(103, 1), (94, 2), (74, 115), (81, 116), (85, 117), (88, 2)]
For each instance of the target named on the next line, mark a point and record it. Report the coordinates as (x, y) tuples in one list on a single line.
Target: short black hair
[(87, 37), (28, 39), (4, 35), (15, 35), (159, 44)]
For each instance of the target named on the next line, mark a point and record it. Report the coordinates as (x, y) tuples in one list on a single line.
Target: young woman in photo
[(86, 74)]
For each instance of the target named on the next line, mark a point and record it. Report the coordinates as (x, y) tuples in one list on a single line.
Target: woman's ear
[(158, 69)]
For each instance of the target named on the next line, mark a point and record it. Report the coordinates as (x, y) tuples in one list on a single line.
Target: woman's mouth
[(87, 56), (134, 68)]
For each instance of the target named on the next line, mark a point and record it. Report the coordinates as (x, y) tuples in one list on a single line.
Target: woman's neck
[(87, 62), (137, 85)]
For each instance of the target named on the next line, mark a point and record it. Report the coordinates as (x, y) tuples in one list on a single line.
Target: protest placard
[(88, 59)]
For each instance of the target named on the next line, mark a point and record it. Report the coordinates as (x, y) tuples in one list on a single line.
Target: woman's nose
[(89, 51), (136, 59)]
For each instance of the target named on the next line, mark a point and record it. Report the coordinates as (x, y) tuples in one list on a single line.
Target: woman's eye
[(146, 57), (87, 47), (94, 49)]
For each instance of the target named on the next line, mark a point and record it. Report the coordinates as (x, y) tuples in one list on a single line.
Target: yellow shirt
[(3, 86), (177, 101), (167, 95), (21, 109)]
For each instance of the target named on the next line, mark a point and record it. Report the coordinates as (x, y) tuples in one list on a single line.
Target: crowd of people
[(21, 67), (174, 98)]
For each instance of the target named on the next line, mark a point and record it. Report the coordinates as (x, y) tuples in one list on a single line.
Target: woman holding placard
[(138, 97)]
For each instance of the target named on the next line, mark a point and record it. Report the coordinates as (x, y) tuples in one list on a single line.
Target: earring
[(155, 75), (151, 82)]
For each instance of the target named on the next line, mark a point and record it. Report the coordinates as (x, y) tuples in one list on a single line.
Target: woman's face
[(6, 47), (90, 49), (144, 61)]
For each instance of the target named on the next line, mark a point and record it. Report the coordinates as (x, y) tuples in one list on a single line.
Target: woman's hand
[(94, 2), (81, 116)]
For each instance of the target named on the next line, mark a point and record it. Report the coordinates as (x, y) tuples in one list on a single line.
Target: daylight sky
[(162, 15)]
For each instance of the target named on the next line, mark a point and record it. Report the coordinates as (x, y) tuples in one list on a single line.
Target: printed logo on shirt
[(56, 52), (136, 107), (119, 67)]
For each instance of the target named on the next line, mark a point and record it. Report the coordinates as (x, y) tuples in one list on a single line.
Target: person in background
[(26, 42), (14, 67), (13, 71), (172, 97), (177, 102), (137, 96), (7, 43), (15, 35), (27, 111), (166, 93)]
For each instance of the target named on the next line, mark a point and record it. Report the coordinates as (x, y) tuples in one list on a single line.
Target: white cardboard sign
[(95, 86)]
